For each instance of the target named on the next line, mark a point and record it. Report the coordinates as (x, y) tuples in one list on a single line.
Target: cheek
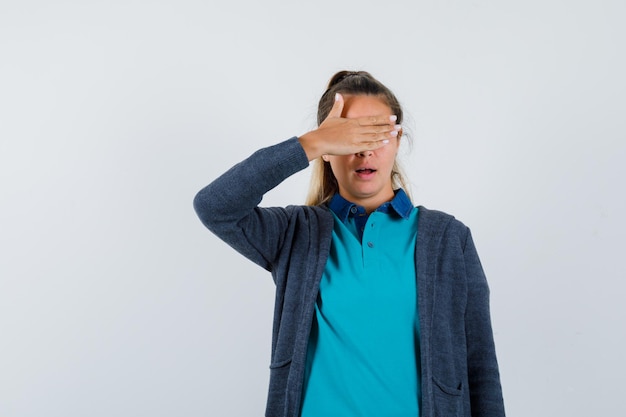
[(390, 156), (339, 163)]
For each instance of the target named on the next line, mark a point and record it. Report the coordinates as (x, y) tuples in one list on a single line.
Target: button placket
[(369, 241)]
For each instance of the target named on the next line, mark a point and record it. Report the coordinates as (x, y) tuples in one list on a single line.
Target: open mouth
[(365, 172)]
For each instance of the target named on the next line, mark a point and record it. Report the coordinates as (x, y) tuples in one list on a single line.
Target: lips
[(365, 173)]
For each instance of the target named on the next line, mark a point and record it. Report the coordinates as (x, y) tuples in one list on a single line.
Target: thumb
[(335, 111)]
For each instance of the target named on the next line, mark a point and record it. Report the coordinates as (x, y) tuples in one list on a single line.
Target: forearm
[(228, 206), (242, 187)]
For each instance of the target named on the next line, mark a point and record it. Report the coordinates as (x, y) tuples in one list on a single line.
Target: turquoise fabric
[(363, 353)]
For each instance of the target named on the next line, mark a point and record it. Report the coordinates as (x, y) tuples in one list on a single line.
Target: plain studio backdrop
[(114, 299)]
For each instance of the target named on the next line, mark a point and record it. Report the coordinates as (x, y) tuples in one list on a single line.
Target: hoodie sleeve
[(229, 205)]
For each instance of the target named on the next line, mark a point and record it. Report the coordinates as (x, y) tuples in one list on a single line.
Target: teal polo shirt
[(363, 354)]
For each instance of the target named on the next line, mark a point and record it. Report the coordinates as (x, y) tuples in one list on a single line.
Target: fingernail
[(393, 118), (398, 127), (394, 133), (336, 96), (386, 141)]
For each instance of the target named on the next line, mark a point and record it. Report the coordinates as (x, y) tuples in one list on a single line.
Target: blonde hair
[(323, 183)]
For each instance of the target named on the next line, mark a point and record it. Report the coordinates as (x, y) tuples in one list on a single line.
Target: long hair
[(323, 182)]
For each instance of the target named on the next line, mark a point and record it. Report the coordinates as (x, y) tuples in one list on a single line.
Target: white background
[(115, 301)]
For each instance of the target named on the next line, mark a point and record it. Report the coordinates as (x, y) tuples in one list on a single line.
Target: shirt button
[(370, 244), (353, 210)]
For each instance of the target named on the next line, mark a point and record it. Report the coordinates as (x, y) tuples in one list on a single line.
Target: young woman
[(382, 307)]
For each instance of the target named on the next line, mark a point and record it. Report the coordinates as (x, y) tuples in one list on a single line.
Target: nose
[(363, 154)]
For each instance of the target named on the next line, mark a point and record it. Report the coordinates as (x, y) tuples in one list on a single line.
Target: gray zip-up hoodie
[(459, 370)]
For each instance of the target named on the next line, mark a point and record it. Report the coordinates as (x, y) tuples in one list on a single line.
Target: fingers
[(379, 132), (373, 139), (377, 120), (337, 109), (371, 145), (338, 135)]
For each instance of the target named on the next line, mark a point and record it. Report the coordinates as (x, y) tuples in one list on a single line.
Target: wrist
[(310, 146)]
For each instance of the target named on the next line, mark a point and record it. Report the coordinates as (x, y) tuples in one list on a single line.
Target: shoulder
[(309, 214), (441, 229), (439, 221), (302, 208)]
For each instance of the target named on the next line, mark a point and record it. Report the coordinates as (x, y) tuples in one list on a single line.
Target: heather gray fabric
[(460, 374)]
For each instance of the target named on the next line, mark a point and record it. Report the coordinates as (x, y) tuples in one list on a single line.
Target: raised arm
[(229, 205)]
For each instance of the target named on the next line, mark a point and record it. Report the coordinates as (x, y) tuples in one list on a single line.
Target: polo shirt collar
[(400, 204)]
